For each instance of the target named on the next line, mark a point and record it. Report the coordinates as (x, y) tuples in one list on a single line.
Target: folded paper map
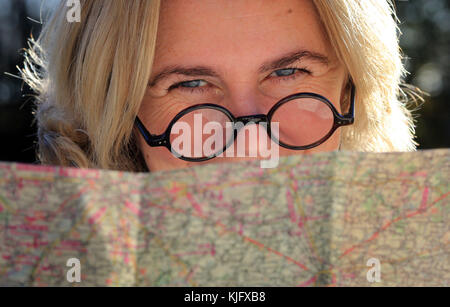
[(326, 219)]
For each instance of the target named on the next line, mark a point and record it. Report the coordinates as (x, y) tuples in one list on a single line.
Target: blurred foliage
[(425, 25)]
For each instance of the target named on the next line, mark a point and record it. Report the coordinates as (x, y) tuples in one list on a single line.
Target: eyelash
[(202, 89)]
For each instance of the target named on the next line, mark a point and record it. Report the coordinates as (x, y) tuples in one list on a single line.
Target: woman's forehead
[(237, 30)]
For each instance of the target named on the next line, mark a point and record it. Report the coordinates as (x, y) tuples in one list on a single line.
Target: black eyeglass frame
[(164, 139)]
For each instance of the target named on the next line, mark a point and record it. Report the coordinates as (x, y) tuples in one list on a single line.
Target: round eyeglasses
[(299, 121)]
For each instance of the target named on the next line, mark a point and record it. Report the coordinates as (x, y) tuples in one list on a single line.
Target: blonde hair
[(91, 77)]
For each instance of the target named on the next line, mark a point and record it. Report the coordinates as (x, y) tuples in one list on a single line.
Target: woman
[(116, 82)]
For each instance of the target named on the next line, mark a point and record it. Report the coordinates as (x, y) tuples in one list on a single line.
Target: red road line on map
[(259, 244), (97, 215), (71, 197), (308, 282), (276, 252), (196, 205), (421, 209), (423, 205)]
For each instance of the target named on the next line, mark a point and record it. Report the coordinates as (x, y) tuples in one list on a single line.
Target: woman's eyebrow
[(202, 71)]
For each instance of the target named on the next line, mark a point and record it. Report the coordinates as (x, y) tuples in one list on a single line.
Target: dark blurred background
[(426, 31)]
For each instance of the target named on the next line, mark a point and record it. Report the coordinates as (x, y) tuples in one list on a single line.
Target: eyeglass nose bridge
[(256, 119)]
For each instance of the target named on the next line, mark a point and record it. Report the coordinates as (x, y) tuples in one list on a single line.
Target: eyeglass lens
[(302, 121)]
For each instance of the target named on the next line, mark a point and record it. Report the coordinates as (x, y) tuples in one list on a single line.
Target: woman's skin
[(233, 40)]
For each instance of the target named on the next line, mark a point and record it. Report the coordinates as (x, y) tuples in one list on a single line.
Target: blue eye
[(200, 86), (192, 86), (285, 72), (288, 73)]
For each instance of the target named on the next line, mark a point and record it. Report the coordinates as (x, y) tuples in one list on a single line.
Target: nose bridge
[(247, 103), (256, 118)]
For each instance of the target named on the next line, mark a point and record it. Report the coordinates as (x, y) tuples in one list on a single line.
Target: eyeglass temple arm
[(350, 116), (151, 139)]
